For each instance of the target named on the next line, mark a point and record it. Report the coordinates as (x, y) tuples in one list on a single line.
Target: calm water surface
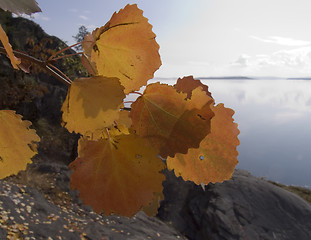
[(274, 118)]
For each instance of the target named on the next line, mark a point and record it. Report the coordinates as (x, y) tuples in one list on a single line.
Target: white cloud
[(283, 63), (283, 41), (91, 27), (35, 16), (45, 18), (242, 61), (83, 17)]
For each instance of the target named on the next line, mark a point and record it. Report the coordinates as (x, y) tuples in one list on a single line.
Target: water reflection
[(274, 118)]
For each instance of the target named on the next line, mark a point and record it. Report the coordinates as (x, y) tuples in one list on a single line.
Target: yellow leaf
[(108, 132), (216, 158), (118, 175), (17, 145), (168, 121), (124, 119), (8, 48), (124, 48), (92, 103)]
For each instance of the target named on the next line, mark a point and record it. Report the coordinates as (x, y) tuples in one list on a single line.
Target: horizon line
[(241, 77)]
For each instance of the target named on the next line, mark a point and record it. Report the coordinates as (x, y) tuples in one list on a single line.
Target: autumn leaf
[(187, 84), (118, 175), (168, 121), (17, 143), (8, 48), (152, 209), (92, 103), (111, 131), (216, 158), (197, 94), (124, 48), (20, 6), (124, 119)]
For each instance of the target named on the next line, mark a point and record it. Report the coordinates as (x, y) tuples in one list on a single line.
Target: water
[(274, 118)]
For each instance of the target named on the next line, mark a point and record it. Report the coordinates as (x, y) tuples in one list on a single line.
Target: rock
[(245, 207), (39, 203), (36, 212)]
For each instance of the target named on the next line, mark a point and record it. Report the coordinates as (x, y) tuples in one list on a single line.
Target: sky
[(205, 38)]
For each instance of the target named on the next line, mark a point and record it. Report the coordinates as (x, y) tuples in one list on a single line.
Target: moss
[(304, 193)]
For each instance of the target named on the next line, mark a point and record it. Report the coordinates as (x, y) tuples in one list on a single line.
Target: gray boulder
[(245, 207), (38, 204)]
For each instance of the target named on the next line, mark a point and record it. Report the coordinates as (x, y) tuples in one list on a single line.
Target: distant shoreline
[(239, 78)]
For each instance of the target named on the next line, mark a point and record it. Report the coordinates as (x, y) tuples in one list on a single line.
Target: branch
[(42, 64), (63, 50)]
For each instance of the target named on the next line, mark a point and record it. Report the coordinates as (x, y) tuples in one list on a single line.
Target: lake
[(274, 118)]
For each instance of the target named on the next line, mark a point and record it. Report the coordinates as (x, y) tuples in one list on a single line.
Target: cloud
[(91, 27), (283, 41), (283, 63), (242, 61), (287, 116), (83, 17), (35, 16)]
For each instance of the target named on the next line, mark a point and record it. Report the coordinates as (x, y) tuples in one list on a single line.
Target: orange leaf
[(169, 122), (152, 208), (117, 175), (17, 145), (216, 158), (92, 103), (187, 84), (124, 48), (8, 48), (124, 119)]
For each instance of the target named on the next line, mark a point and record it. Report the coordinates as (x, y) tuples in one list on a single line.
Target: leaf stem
[(68, 55), (138, 93), (60, 72), (63, 50), (107, 130), (44, 65)]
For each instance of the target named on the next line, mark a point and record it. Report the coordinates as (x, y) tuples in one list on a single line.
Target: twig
[(63, 50), (42, 64)]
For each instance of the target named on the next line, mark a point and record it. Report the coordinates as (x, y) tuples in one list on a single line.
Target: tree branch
[(42, 64)]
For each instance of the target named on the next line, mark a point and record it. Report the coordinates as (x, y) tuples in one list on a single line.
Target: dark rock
[(245, 207), (32, 211), (26, 213)]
